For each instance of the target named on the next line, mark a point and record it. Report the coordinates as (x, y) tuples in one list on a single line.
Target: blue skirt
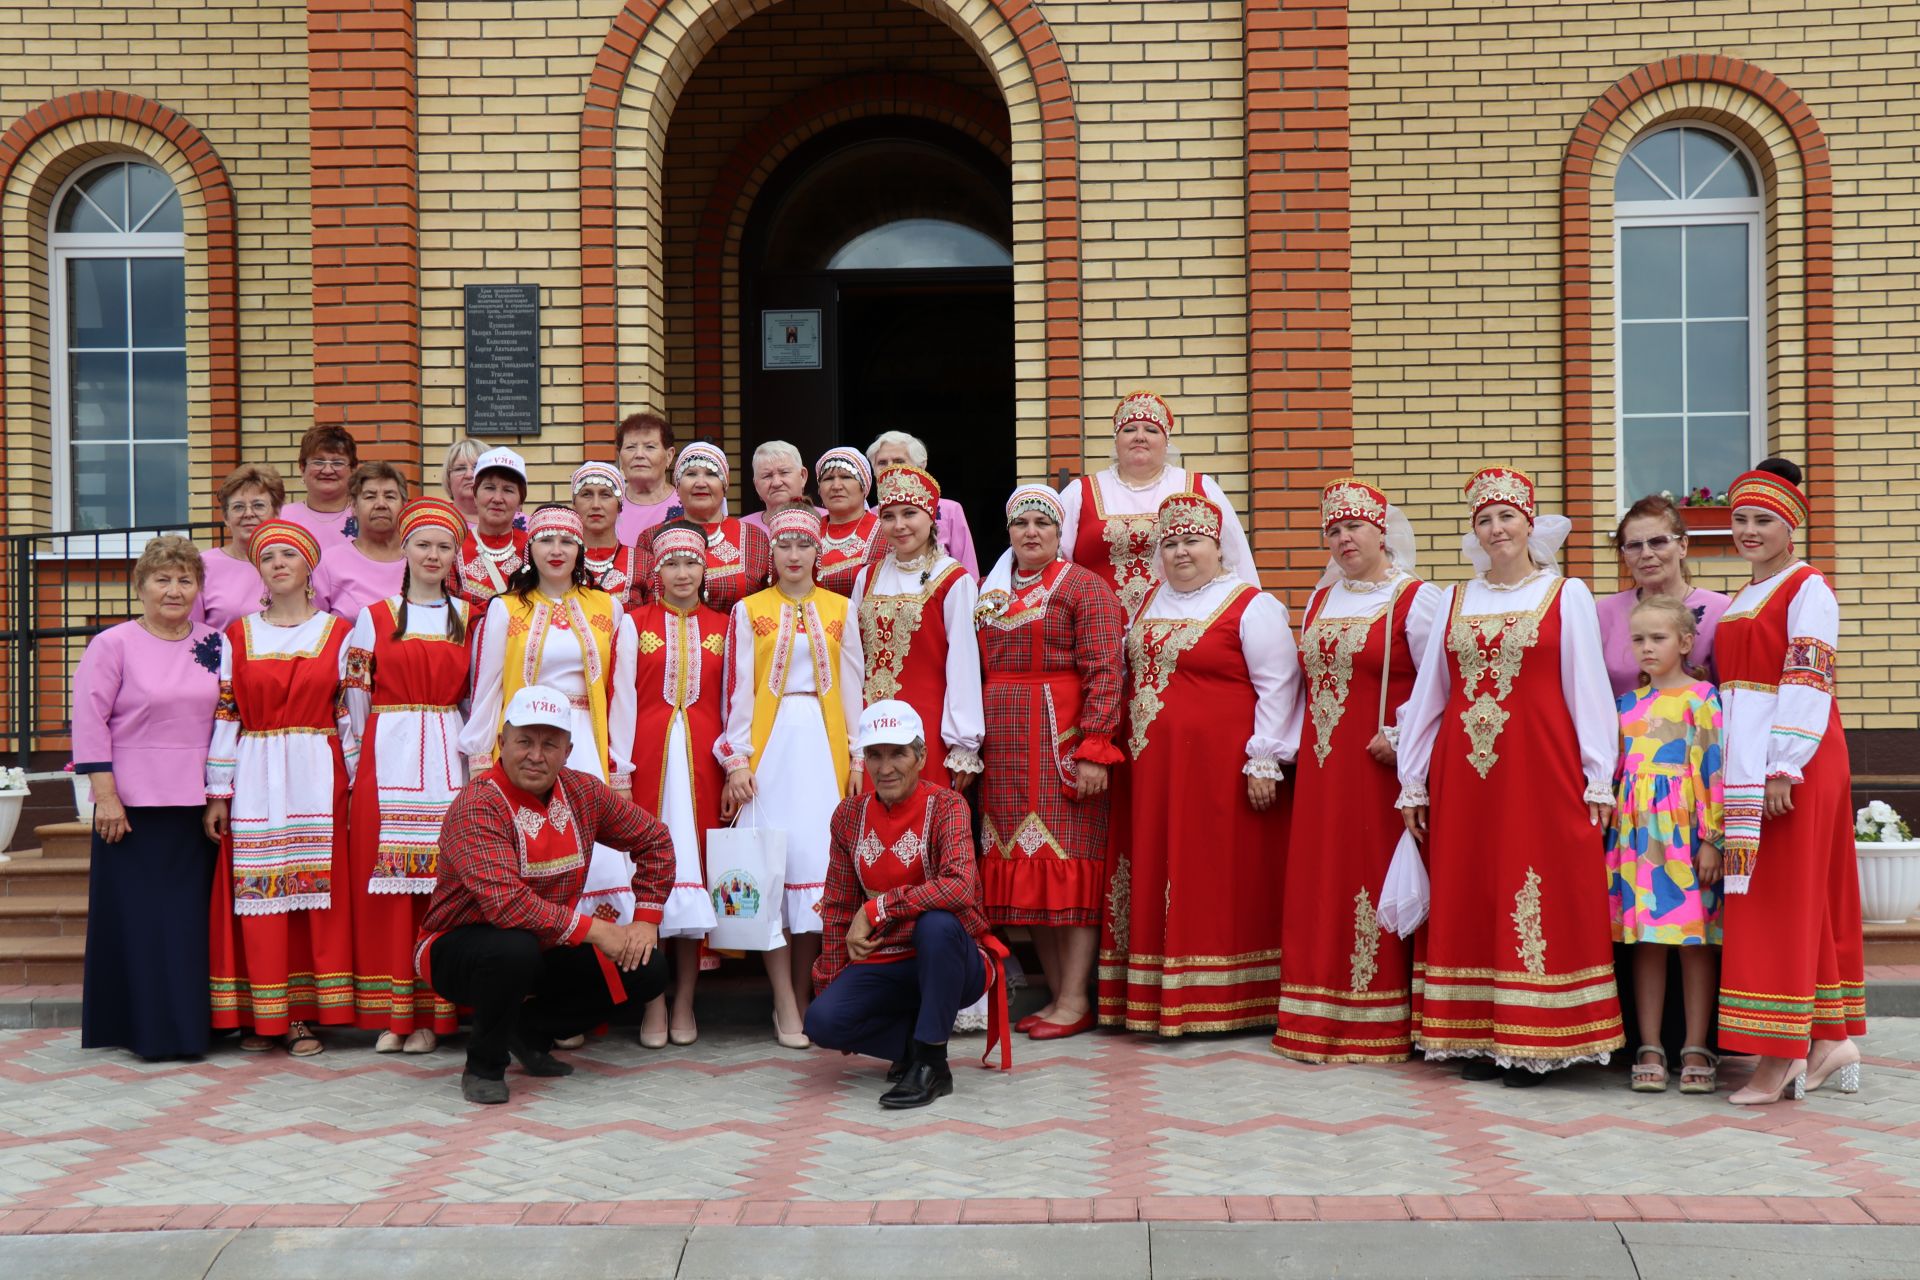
[(146, 971)]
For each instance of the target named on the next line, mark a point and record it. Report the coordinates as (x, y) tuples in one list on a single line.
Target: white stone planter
[(10, 802), (82, 796), (1889, 880)]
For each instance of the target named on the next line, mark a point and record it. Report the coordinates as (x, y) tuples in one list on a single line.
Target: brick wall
[(238, 73), (1462, 114)]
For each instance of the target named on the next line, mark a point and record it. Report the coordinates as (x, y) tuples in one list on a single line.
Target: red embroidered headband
[(432, 513), (556, 521), (1188, 513), (1038, 499), (850, 461), (1144, 406), (1349, 499), (1760, 489), (284, 533), (669, 543), (909, 486), (601, 473), (1501, 484), (795, 522)]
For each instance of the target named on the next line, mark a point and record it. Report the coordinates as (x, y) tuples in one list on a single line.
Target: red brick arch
[(1060, 147), (216, 192), (1584, 505), (717, 243)]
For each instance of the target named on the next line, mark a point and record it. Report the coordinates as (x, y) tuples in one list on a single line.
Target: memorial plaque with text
[(503, 359)]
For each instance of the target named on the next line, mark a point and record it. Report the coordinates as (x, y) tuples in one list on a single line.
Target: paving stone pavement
[(1101, 1128)]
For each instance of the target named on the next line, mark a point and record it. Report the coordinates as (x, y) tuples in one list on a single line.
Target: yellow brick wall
[(238, 71), (1461, 116)]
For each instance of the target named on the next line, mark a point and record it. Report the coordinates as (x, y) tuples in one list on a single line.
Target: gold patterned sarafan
[(1526, 922), (1491, 644), (1120, 902), (1328, 647), (1366, 943), (1154, 646), (887, 628)]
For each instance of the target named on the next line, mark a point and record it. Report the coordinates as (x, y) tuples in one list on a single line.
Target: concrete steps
[(38, 962), (43, 916), (43, 907)]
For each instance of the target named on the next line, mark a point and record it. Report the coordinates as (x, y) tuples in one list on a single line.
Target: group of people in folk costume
[(1118, 696)]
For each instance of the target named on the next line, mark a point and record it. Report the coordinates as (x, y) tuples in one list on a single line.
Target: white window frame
[(1634, 214), (62, 248)]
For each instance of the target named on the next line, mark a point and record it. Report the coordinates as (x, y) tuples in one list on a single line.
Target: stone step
[(65, 839), (41, 961), (64, 916), (1893, 943), (43, 877)]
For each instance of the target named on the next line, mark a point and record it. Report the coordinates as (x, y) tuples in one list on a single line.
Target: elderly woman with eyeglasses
[(1652, 542), (230, 586)]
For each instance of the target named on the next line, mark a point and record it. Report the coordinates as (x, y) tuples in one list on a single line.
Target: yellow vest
[(590, 613), (773, 618)]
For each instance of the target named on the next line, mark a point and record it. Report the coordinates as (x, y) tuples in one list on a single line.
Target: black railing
[(57, 591)]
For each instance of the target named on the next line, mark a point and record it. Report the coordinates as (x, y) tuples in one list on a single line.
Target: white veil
[(1544, 541), (1401, 550)]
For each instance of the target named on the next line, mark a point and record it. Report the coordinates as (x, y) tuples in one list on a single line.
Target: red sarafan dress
[(848, 549), (1109, 529), (1191, 940), (680, 679), (916, 633), (280, 926), (1518, 956), (1345, 983), (405, 698), (1054, 653), (1792, 968)]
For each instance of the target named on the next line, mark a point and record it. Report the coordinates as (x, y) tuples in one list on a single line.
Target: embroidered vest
[(773, 618)]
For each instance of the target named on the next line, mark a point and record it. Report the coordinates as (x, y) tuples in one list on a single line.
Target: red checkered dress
[(739, 563), (1053, 654)]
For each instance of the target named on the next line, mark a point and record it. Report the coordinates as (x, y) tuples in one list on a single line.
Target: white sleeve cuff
[(1411, 795), (1598, 793), (1264, 767)]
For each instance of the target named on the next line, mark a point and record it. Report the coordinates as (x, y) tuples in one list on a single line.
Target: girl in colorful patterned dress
[(1663, 850)]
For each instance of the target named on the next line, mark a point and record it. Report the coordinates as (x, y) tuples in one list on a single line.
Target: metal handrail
[(39, 577)]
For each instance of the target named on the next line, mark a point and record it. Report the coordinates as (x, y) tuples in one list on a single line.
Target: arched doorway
[(877, 294)]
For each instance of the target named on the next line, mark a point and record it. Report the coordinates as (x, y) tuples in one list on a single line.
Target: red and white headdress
[(1758, 489), (909, 486), (1144, 406), (556, 521), (700, 453), (284, 533), (669, 543), (1501, 484), (795, 522), (849, 461), (604, 474), (432, 513), (1036, 498), (1185, 513), (1349, 499)]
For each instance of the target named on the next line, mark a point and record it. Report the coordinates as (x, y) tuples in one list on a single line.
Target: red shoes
[(1027, 1023), (1060, 1030)]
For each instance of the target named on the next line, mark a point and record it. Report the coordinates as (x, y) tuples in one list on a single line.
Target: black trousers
[(876, 1009), (512, 985)]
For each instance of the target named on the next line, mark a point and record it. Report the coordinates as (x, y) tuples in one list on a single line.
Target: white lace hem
[(1539, 1066)]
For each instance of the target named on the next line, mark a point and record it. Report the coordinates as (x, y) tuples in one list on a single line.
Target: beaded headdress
[(909, 486), (1187, 513), (844, 460), (1501, 484), (601, 473), (556, 521), (669, 543), (794, 522), (1349, 499), (1038, 499), (707, 457), (1144, 406)]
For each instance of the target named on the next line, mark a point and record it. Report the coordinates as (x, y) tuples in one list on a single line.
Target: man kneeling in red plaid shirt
[(901, 913), (501, 934)]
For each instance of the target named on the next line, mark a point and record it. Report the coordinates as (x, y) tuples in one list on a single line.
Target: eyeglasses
[(328, 464), (250, 508), (1656, 544)]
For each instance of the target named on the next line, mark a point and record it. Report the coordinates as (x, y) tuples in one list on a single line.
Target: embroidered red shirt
[(896, 862)]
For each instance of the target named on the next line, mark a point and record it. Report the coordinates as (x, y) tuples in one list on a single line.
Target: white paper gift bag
[(1403, 896), (747, 880)]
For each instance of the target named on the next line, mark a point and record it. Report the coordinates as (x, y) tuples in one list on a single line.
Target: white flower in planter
[(1880, 823), (13, 780)]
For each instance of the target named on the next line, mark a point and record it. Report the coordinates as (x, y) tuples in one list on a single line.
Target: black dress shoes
[(1521, 1078), (898, 1070), (536, 1062), (923, 1082), (1481, 1069), (482, 1090)]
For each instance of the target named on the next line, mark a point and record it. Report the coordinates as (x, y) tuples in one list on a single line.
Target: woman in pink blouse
[(143, 701), (1652, 542), (230, 586)]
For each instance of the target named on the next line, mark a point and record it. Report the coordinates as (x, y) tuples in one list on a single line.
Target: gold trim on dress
[(1149, 976), (1571, 998), (1329, 669), (1526, 922), (1435, 973), (1120, 905), (1154, 669), (903, 614), (1493, 644), (1366, 942), (1345, 1013)]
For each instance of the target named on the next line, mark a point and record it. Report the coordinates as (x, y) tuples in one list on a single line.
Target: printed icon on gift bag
[(737, 895)]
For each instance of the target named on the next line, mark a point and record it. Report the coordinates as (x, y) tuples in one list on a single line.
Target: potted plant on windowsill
[(1704, 510), (13, 795), (1889, 860)]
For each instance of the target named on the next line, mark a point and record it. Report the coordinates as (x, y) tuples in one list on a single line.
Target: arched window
[(119, 348), (1691, 313)]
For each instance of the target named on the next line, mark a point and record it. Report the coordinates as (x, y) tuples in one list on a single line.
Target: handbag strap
[(1386, 652)]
